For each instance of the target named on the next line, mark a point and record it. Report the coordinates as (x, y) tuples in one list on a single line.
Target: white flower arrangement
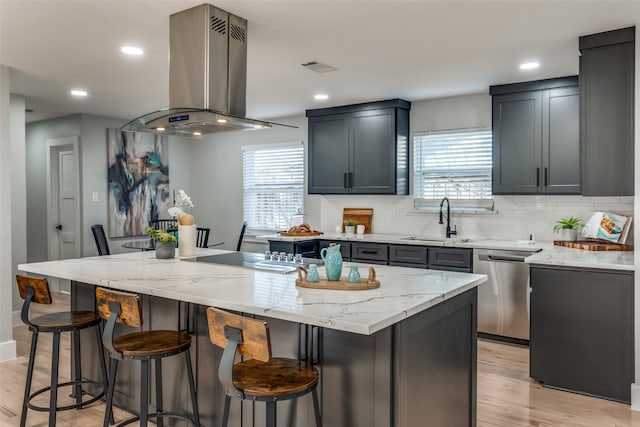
[(182, 201)]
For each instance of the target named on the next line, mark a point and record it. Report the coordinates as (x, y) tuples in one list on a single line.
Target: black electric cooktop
[(253, 260)]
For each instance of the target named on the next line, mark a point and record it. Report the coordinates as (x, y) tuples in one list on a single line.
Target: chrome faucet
[(449, 232)]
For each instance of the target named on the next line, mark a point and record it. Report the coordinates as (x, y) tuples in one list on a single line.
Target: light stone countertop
[(548, 254), (402, 293)]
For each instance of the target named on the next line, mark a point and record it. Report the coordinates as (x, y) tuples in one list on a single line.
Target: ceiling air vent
[(319, 67)]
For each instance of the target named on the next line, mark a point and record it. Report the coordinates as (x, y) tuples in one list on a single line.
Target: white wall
[(217, 186), (7, 344)]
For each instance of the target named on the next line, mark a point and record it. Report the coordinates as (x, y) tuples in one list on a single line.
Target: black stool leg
[(225, 414), (108, 414), (103, 367), (158, 363), (192, 389), (271, 414), (27, 386), (316, 407), (53, 398), (77, 367), (144, 393)]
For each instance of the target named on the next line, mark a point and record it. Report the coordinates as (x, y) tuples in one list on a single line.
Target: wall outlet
[(94, 196)]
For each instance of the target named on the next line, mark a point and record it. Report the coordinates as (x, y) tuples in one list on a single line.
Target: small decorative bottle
[(312, 275), (354, 274)]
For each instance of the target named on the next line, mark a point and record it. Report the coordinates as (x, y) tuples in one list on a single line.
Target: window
[(273, 184), (455, 164)]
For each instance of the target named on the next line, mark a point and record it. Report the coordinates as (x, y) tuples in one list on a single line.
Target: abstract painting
[(138, 181)]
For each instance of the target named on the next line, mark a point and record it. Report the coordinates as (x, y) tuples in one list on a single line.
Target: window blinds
[(454, 164), (273, 184)]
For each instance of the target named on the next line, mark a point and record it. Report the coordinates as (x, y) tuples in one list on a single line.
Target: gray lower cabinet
[(345, 247), (607, 73), (582, 331), (421, 368), (408, 256), (536, 137), (370, 253), (451, 259), (306, 248)]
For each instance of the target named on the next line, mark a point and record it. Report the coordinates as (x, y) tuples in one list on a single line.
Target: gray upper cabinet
[(536, 137), (607, 70), (359, 149)]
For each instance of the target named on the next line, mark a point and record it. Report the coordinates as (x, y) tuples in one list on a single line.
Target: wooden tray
[(589, 245), (340, 285), (362, 216), (312, 233)]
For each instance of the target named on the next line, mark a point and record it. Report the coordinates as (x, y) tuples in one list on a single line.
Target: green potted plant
[(165, 243), (349, 227), (569, 227)]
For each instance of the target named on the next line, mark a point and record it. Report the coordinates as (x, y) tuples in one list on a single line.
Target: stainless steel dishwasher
[(503, 301)]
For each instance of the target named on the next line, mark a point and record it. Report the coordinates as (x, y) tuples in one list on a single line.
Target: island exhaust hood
[(207, 76)]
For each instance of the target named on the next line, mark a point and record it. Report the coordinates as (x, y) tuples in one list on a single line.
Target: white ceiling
[(383, 49)]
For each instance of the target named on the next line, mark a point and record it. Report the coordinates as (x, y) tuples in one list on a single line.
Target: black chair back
[(244, 227), (202, 237), (163, 224), (101, 240)]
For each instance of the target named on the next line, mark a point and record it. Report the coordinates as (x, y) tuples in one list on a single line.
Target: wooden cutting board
[(362, 216), (589, 245)]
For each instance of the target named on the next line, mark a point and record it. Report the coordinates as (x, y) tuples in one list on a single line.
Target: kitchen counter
[(418, 324), (548, 254), (403, 292)]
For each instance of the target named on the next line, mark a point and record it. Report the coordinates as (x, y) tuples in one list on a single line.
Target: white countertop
[(548, 255), (402, 293)]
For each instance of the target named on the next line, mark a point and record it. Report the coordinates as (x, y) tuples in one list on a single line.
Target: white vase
[(569, 234), (187, 240)]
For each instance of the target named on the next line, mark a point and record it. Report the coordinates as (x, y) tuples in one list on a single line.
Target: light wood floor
[(507, 397)]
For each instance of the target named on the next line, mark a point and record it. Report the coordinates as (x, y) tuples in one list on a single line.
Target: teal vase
[(312, 275), (332, 258), (354, 274)]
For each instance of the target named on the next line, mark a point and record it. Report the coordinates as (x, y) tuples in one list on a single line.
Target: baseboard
[(635, 397), (16, 319), (7, 350)]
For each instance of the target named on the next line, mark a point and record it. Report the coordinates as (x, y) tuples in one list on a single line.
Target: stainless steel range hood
[(207, 76)]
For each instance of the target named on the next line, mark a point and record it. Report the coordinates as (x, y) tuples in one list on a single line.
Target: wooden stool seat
[(145, 347), (276, 377), (66, 321), (152, 343), (261, 377), (35, 290)]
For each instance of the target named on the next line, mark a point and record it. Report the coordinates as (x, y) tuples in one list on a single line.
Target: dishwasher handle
[(501, 258)]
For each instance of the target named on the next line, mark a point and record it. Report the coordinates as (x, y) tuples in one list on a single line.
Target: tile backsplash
[(513, 217)]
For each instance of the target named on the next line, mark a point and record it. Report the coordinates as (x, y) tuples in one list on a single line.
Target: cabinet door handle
[(370, 252), (350, 179), (546, 177), (346, 180), (537, 177)]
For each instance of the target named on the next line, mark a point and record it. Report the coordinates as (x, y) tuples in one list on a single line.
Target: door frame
[(54, 146)]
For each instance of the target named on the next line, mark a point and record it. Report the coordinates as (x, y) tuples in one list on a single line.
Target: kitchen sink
[(435, 240)]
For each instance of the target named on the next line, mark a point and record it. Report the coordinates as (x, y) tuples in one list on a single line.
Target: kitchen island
[(393, 356)]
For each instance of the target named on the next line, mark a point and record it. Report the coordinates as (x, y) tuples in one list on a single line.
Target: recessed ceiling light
[(196, 133), (321, 97), (160, 129), (79, 92), (529, 65), (132, 50), (257, 126), (222, 120)]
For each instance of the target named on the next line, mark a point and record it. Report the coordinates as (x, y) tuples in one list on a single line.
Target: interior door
[(67, 199)]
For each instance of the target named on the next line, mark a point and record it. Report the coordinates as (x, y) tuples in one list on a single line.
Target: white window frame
[(481, 171), (276, 183)]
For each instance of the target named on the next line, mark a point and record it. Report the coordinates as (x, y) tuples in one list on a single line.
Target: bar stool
[(37, 290), (125, 308), (262, 378)]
